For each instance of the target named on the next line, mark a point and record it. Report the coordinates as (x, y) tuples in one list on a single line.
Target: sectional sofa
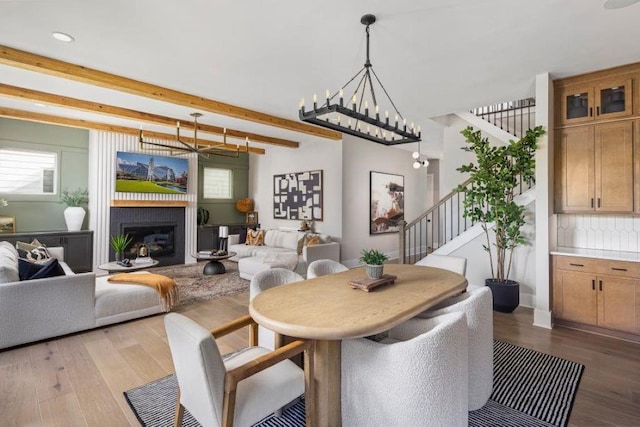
[(33, 310)]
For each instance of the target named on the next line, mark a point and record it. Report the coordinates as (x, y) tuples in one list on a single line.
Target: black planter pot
[(506, 295)]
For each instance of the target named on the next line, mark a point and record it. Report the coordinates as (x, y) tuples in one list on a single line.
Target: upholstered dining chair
[(238, 390), (477, 305), (416, 376), (322, 267), (446, 262), (262, 281)]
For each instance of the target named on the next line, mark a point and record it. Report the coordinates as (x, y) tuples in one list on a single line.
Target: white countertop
[(598, 253)]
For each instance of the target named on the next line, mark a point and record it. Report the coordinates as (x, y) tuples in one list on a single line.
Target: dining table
[(327, 310)]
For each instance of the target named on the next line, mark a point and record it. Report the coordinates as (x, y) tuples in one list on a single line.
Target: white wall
[(323, 155), (359, 158)]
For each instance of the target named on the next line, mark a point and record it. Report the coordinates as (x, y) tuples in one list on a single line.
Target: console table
[(78, 245)]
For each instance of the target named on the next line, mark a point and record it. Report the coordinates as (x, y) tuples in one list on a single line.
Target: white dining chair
[(262, 281), (447, 262), (477, 305), (231, 391), (322, 267), (416, 376)]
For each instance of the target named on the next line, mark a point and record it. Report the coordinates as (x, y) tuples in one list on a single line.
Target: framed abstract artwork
[(387, 202), (298, 195), (7, 224)]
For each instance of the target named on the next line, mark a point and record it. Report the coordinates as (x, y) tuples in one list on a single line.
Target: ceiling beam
[(86, 124), (54, 67), (94, 107)]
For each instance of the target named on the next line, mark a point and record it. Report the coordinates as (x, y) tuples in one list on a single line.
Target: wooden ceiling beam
[(42, 64), (86, 124), (21, 93)]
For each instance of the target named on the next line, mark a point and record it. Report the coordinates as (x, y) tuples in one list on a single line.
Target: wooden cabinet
[(207, 237), (605, 99), (600, 293), (594, 168), (78, 245)]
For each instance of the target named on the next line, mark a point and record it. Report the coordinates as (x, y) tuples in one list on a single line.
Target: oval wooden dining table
[(327, 310)]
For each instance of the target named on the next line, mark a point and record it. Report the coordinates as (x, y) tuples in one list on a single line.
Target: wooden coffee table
[(214, 266)]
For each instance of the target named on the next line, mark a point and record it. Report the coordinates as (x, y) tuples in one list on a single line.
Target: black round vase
[(506, 295)]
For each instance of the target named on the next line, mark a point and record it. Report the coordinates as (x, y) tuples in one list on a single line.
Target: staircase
[(444, 223)]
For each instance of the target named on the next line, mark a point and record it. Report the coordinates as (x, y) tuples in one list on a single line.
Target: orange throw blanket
[(165, 286)]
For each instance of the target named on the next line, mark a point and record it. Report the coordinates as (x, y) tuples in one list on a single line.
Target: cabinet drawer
[(588, 265), (598, 266), (620, 268)]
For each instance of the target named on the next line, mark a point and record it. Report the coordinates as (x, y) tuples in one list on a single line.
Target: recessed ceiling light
[(618, 4), (63, 37)]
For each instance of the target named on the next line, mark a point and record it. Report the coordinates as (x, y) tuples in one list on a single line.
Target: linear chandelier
[(202, 150), (355, 119)]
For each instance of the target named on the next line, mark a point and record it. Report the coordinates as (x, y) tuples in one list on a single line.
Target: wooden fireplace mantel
[(148, 203)]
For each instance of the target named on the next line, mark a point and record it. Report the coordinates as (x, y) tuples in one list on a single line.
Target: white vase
[(73, 216)]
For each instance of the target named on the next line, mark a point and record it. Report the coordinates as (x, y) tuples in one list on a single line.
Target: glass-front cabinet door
[(613, 99), (576, 104)]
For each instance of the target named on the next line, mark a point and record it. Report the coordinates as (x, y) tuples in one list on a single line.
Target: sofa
[(32, 310), (282, 248)]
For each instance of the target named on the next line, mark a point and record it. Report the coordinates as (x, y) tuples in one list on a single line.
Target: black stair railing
[(514, 117)]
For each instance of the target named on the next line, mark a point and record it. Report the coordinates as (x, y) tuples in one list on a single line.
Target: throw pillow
[(38, 255), (301, 244), (27, 269), (51, 268), (243, 235), (255, 237), (311, 240)]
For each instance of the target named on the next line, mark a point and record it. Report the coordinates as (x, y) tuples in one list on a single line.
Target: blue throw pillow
[(27, 268), (50, 269)]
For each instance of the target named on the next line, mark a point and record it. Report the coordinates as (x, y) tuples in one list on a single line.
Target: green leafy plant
[(373, 257), (3, 202), (491, 192), (119, 243), (75, 198)]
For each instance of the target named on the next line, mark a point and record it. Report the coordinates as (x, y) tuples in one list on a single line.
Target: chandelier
[(201, 149), (417, 162), (357, 119)]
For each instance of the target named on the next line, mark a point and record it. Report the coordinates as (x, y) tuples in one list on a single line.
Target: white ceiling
[(434, 56)]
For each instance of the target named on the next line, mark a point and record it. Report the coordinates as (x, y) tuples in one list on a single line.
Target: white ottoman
[(249, 266)]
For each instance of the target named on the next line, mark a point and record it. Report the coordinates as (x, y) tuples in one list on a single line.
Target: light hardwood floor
[(79, 379)]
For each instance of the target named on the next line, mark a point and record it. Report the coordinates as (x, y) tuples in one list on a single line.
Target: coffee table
[(114, 267), (214, 266)]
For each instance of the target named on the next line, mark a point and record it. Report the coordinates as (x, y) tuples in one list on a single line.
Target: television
[(150, 173)]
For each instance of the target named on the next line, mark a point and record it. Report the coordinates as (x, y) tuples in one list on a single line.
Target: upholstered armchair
[(446, 262), (417, 376), (322, 267), (241, 389)]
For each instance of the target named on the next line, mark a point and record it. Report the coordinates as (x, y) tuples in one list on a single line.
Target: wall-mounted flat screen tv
[(146, 173)]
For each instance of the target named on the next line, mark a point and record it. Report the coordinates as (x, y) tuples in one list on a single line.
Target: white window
[(217, 183), (28, 172)]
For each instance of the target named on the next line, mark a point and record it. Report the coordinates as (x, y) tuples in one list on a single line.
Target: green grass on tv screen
[(128, 186)]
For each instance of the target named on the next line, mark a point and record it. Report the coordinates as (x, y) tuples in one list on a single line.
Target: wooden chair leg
[(179, 412), (309, 386), (253, 334), (228, 408)]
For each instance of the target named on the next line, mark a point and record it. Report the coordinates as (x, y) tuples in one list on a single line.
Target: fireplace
[(161, 229)]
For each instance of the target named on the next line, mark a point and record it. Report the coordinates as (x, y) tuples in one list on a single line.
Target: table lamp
[(223, 236)]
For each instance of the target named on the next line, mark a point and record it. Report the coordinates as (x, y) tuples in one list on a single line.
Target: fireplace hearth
[(160, 228)]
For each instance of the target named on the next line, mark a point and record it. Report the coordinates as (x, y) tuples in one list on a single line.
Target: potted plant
[(374, 260), (490, 201), (74, 213), (119, 244)]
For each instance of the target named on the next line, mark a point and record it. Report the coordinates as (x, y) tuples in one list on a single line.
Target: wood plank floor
[(79, 379)]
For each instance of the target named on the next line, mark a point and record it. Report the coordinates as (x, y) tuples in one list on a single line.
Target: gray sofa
[(280, 249), (33, 310)]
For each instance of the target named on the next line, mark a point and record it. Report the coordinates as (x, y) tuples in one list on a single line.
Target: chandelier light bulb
[(341, 93), (366, 104), (416, 165), (415, 155), (354, 99), (315, 97), (301, 102), (386, 114), (419, 129), (377, 109), (425, 163), (328, 93)]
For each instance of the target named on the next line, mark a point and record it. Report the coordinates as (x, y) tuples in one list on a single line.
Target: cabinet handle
[(592, 202), (600, 284), (590, 111), (618, 269), (598, 201), (576, 265), (598, 110), (593, 284)]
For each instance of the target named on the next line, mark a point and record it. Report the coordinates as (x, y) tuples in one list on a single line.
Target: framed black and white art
[(387, 202), (298, 195)]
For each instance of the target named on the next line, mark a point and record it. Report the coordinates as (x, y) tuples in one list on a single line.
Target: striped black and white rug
[(530, 389)]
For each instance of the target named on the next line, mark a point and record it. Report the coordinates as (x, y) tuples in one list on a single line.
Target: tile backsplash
[(607, 232)]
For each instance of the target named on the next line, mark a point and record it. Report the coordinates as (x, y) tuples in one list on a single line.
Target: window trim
[(45, 197)]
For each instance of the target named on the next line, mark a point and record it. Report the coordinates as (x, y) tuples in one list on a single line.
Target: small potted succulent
[(374, 260), (119, 244)]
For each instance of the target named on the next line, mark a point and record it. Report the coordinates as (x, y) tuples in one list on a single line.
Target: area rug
[(193, 286), (530, 389)]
